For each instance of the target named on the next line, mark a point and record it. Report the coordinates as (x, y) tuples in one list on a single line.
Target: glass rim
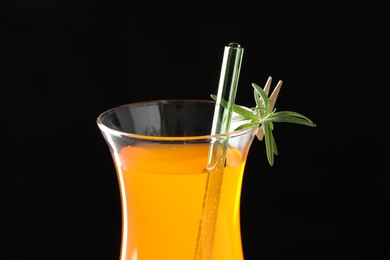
[(119, 133)]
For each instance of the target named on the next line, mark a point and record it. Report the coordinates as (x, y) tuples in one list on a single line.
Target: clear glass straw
[(227, 89)]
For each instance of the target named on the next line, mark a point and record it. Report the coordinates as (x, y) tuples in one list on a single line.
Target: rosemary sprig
[(263, 116)]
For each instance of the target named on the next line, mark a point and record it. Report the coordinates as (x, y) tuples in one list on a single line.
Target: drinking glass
[(180, 186)]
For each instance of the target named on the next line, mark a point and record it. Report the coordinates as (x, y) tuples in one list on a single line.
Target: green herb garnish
[(265, 116)]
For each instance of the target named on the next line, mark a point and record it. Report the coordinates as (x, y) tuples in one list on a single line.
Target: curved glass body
[(180, 186)]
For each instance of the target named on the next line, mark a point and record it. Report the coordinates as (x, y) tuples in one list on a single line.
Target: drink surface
[(164, 188)]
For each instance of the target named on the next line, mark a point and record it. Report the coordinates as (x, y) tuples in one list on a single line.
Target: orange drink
[(161, 152), (163, 192)]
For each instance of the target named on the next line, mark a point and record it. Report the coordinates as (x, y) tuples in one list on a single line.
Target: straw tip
[(234, 45)]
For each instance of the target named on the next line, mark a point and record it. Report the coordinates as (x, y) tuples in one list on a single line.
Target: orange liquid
[(162, 190)]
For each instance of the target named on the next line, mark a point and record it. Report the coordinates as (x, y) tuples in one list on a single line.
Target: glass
[(180, 186)]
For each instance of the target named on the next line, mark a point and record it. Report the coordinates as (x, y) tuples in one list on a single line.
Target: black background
[(65, 62)]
